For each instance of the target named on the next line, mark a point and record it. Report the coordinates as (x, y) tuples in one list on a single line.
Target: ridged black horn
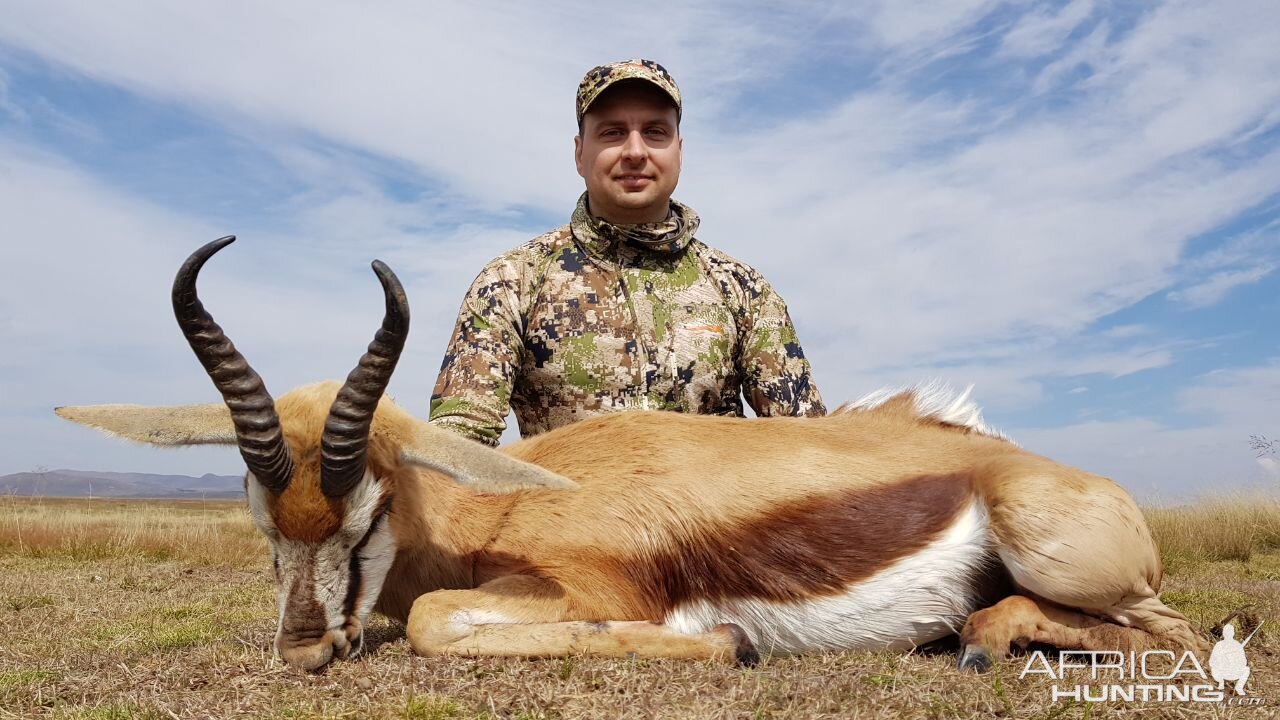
[(252, 410), (346, 433)]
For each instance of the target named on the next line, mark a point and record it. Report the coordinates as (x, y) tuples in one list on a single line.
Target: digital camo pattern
[(599, 78), (574, 324)]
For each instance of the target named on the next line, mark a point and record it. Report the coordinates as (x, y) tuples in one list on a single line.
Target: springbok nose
[(308, 656), (310, 651)]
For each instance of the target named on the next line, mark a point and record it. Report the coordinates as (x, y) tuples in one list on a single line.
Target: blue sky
[(1074, 206)]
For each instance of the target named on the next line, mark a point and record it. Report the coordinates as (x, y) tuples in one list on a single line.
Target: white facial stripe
[(261, 516), (361, 503), (376, 558), (918, 599), (258, 507)]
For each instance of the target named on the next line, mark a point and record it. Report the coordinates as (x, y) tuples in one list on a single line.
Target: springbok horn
[(252, 410), (346, 432)]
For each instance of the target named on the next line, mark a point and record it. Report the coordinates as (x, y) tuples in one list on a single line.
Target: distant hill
[(87, 483)]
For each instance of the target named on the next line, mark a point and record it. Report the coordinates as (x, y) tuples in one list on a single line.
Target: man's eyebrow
[(655, 120)]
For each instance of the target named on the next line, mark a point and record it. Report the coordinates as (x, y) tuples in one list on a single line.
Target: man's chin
[(634, 203), (639, 199)]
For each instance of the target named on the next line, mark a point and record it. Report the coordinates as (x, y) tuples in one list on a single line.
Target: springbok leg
[(989, 634), (1075, 540), (521, 616)]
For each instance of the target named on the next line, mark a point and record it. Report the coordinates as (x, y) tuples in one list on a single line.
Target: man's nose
[(634, 148)]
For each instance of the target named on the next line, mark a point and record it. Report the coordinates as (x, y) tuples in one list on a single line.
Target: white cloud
[(1090, 53), (903, 27), (1246, 397), (478, 96), (1043, 32), (1262, 243), (1213, 290), (1154, 462), (1161, 462), (1121, 332), (7, 105)]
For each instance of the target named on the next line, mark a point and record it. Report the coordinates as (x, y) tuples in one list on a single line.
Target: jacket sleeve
[(777, 379), (472, 395)]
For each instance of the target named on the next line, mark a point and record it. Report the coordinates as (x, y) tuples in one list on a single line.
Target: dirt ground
[(128, 626)]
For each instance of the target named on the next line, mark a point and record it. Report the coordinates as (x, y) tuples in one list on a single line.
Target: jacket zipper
[(649, 351)]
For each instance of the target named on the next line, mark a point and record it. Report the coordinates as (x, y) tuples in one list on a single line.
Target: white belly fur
[(920, 598)]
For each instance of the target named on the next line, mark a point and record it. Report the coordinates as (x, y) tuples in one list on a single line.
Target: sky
[(1074, 207)]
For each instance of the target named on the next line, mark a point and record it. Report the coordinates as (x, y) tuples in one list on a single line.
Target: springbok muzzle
[(312, 651)]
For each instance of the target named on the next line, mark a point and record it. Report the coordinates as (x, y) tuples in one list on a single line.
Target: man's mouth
[(632, 181)]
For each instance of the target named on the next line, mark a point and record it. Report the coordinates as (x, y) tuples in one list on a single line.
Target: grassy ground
[(163, 609)]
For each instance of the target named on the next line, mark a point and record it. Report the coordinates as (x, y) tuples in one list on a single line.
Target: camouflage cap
[(600, 78)]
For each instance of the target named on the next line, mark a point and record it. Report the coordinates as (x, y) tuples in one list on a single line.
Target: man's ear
[(577, 155)]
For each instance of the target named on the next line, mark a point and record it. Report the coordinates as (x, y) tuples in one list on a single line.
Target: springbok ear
[(208, 424), (477, 466)]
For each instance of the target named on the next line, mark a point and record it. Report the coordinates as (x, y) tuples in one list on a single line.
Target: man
[(623, 308)]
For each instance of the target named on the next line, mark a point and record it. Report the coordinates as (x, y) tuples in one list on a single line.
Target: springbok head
[(323, 465)]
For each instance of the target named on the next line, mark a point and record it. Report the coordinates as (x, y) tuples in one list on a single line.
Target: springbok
[(887, 524)]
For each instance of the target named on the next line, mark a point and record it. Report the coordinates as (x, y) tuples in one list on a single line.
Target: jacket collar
[(613, 245)]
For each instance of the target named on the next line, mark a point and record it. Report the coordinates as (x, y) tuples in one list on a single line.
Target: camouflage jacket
[(593, 317)]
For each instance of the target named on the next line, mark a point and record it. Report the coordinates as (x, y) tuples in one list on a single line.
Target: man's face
[(629, 153)]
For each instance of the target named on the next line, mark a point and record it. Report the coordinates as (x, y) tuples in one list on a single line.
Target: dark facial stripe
[(354, 581), (816, 547)]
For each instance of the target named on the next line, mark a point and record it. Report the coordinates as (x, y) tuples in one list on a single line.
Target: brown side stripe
[(813, 548)]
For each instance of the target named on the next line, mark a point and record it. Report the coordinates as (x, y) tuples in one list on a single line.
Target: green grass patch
[(18, 686), (18, 603), (183, 637), (168, 628), (1207, 606), (429, 707), (19, 678), (1263, 566), (881, 679), (300, 711)]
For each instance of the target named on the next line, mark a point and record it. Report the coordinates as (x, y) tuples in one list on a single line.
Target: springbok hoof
[(975, 658), (744, 651)]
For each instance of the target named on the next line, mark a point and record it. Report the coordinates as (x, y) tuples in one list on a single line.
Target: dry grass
[(1224, 529), (216, 532), (161, 610)]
